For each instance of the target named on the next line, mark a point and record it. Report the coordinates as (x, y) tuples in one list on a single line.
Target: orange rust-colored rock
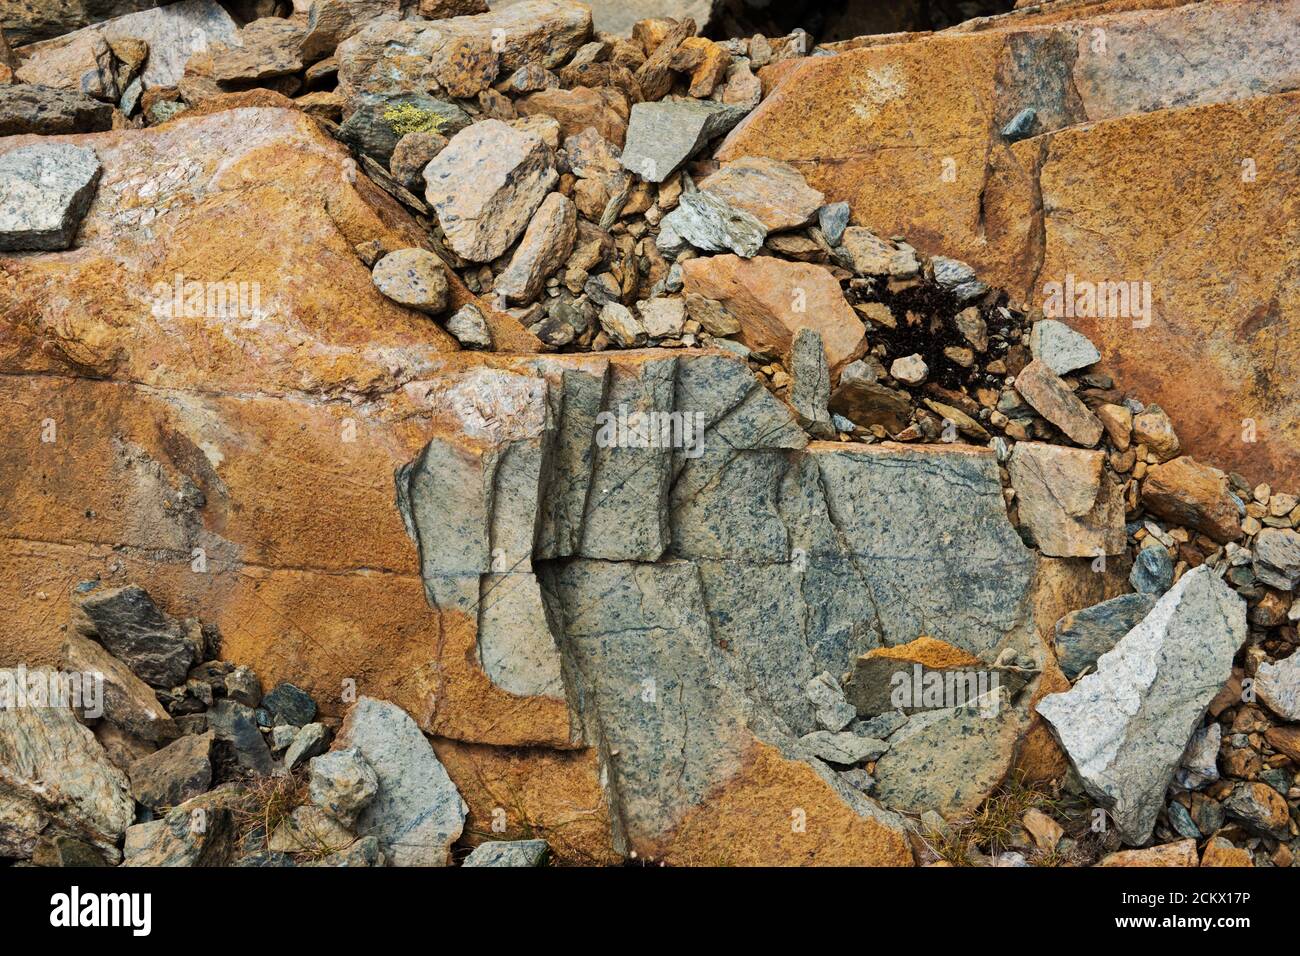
[(1181, 853), (606, 109), (518, 793), (1219, 851), (773, 299), (238, 273), (928, 652), (778, 812), (1189, 493), (907, 130)]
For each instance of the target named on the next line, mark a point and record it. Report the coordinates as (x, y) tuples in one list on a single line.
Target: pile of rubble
[(144, 749)]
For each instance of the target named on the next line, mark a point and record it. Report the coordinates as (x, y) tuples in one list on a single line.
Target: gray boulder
[(45, 191), (1125, 728), (418, 813), (663, 135), (31, 108), (508, 853)]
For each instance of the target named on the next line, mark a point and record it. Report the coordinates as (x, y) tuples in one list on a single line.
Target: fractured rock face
[(950, 760), (25, 108), (128, 701), (1125, 727), (159, 649), (546, 244), (1189, 493), (45, 191), (772, 191), (663, 135), (486, 184)]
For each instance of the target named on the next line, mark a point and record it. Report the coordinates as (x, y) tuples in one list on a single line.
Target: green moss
[(408, 118)]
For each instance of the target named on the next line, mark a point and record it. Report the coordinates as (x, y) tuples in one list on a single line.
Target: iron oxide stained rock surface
[(1126, 726), (907, 131)]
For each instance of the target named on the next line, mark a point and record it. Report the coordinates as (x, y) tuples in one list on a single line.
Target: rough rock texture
[(1278, 686), (1083, 636), (159, 649), (773, 298), (56, 779), (128, 701), (876, 674), (509, 853), (486, 184), (664, 134), (1126, 726), (174, 774), (174, 32), (415, 278), (1054, 400), (42, 109), (950, 760), (198, 832), (1189, 493), (877, 126), (401, 56), (1068, 503), (772, 191), (1181, 853), (417, 813), (45, 190), (546, 244)]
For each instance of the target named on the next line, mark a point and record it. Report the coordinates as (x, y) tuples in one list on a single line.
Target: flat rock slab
[(1067, 501), (1126, 727), (29, 108), (774, 192), (950, 760), (773, 299), (45, 190), (417, 813), (663, 135)]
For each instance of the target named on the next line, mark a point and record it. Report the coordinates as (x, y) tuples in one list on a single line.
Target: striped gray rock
[(54, 776)]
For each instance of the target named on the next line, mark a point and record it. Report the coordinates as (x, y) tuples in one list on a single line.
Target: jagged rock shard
[(159, 649), (54, 777), (417, 814), (509, 853), (1126, 727)]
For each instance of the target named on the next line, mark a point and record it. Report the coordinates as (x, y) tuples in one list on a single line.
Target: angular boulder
[(417, 813), (486, 184), (1125, 727), (773, 298), (45, 191), (54, 776), (1068, 502)]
